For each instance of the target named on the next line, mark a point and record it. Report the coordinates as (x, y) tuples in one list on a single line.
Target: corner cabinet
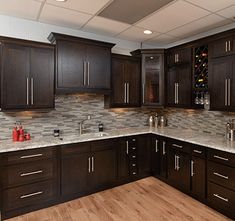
[(83, 65), (152, 77), (27, 74), (125, 81)]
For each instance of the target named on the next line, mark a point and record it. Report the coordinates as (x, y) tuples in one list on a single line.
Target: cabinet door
[(144, 155), (104, 168), (74, 174), (152, 79), (123, 160), (184, 86), (163, 159), (184, 55), (218, 70), (118, 82), (70, 65), (231, 86), (98, 67), (172, 79), (155, 155), (15, 76), (219, 48), (132, 75), (42, 78)]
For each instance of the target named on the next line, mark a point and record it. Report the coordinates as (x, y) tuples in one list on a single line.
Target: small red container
[(27, 136), (15, 134), (21, 138)]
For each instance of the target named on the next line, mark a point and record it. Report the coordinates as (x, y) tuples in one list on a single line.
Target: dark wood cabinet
[(179, 56), (83, 65), (87, 167), (134, 158), (179, 86), (222, 75), (27, 75), (178, 167), (222, 47), (125, 82)]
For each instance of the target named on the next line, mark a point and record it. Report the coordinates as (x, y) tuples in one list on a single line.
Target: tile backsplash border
[(71, 109)]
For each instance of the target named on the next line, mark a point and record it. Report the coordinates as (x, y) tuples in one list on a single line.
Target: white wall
[(36, 31)]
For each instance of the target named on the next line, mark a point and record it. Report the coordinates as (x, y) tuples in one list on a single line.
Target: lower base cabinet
[(87, 167)]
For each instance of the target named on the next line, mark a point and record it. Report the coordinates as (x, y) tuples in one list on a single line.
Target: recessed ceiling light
[(148, 32), (61, 0)]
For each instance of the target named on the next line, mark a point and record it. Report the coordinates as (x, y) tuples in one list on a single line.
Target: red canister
[(15, 134)]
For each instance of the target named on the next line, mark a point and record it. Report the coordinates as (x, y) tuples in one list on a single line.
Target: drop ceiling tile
[(227, 12), (87, 6), (162, 40), (173, 16), (63, 17), (213, 5), (136, 34), (104, 26), (28, 9), (201, 25)]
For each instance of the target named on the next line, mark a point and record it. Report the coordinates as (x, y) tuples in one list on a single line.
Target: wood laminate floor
[(144, 200)]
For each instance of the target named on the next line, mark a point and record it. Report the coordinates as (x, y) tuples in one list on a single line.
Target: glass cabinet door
[(152, 79)]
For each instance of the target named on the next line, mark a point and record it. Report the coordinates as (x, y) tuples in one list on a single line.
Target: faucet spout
[(81, 124)]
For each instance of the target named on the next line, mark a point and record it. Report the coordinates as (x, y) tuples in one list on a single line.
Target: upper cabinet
[(179, 56), (152, 77), (83, 65), (125, 77), (222, 47), (179, 78), (27, 75)]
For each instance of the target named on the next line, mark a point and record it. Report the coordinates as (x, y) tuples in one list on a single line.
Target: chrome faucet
[(81, 124)]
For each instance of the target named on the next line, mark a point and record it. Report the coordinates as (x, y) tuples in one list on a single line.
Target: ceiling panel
[(213, 5), (132, 11), (104, 26), (136, 34), (64, 17), (28, 9), (196, 27), (162, 40), (175, 15), (228, 12), (87, 6)]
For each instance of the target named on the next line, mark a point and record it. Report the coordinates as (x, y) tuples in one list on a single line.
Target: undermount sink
[(98, 134)]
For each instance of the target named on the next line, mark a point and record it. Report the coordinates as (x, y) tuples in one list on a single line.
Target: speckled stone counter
[(215, 142)]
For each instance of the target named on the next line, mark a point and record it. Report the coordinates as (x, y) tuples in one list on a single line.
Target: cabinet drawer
[(102, 144), (29, 195), (221, 198), (77, 148), (221, 157), (198, 151), (26, 156), (16, 175), (179, 146), (222, 175)]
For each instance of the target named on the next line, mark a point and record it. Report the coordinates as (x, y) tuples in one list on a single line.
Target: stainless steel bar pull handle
[(32, 91), (229, 92), (220, 175), (143, 93), (221, 158), (31, 194), (84, 73), (125, 93), (229, 45), (92, 164), (175, 162), (31, 156), (88, 73), (31, 173), (220, 197), (127, 147), (175, 94), (27, 91), (128, 93), (178, 146), (156, 147), (178, 162), (226, 92), (197, 151), (192, 168), (164, 148), (226, 46), (89, 165)]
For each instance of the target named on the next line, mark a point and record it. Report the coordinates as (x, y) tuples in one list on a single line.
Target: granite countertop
[(211, 141)]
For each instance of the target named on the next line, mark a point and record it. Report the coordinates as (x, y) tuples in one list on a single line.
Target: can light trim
[(148, 32)]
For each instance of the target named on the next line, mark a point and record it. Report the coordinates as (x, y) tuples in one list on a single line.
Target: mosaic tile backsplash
[(71, 109)]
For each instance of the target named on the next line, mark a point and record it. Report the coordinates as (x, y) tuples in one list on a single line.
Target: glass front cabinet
[(152, 77)]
